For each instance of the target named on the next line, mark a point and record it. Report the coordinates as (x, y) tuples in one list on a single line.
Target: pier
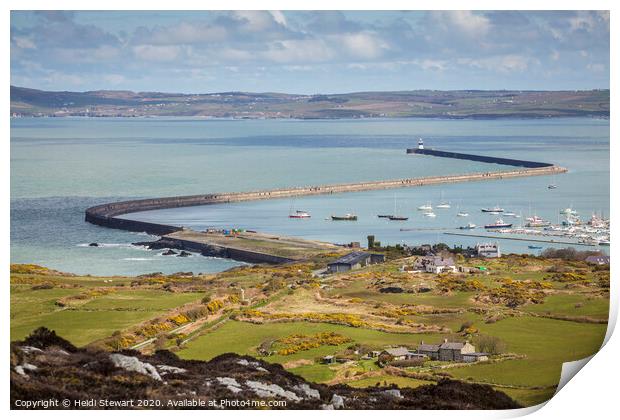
[(420, 150), (259, 248)]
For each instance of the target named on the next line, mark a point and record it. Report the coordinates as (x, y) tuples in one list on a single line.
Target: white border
[(592, 395)]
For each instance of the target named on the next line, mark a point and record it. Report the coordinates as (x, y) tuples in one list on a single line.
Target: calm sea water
[(59, 167)]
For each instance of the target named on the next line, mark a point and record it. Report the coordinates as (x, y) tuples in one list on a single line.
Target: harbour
[(370, 150), (257, 247)]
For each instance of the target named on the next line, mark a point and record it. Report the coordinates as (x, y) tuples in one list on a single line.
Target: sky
[(309, 52)]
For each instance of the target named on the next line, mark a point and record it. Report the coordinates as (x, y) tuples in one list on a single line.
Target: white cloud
[(464, 21), (279, 17), (157, 52), (24, 42), (256, 20), (365, 45)]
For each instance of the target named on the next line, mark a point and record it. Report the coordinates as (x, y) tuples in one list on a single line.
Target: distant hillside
[(419, 103)]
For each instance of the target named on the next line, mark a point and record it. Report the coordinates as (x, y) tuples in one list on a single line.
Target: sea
[(61, 166)]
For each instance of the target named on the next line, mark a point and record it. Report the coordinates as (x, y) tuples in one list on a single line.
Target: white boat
[(299, 214), (430, 214), (462, 214), (570, 211), (426, 206), (510, 214), (442, 204)]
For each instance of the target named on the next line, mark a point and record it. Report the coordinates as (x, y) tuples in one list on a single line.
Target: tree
[(490, 344)]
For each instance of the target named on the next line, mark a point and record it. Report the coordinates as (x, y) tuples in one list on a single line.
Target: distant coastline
[(462, 104)]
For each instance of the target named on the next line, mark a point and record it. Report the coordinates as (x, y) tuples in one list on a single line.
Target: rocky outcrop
[(45, 366)]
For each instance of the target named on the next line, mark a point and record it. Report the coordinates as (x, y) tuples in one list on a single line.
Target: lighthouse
[(420, 144)]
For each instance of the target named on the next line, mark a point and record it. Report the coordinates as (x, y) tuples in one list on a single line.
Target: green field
[(547, 343), (96, 319), (573, 305)]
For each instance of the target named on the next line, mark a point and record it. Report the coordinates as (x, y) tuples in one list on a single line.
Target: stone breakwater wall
[(480, 158), (106, 214), (236, 254)]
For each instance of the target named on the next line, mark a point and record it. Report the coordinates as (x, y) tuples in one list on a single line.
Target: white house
[(439, 265), (488, 250)]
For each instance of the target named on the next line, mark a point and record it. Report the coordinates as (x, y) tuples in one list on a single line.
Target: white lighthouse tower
[(420, 144)]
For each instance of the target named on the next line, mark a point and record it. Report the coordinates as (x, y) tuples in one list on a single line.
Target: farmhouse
[(429, 350), (451, 352), (454, 351), (354, 260)]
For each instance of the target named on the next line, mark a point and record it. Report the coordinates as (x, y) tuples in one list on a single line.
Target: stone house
[(454, 351), (451, 351), (429, 350)]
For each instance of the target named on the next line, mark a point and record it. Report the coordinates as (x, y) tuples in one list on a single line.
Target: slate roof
[(602, 259), (428, 347), (352, 258), (452, 346), (442, 261), (398, 351)]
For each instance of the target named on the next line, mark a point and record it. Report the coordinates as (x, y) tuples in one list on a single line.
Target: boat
[(430, 214), (462, 214), (442, 204), (347, 217), (394, 216), (495, 209), (299, 214), (569, 210), (499, 224), (536, 221), (426, 206), (384, 216), (510, 214), (468, 226), (604, 242), (552, 186), (534, 247)]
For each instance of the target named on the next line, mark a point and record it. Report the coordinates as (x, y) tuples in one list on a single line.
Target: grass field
[(514, 305), (573, 305), (96, 319)]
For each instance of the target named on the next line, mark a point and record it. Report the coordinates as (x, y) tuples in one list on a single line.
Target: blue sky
[(309, 52)]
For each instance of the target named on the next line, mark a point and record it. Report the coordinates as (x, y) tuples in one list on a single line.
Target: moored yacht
[(499, 224), (496, 209), (426, 207)]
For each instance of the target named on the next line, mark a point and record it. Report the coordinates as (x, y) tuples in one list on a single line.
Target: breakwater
[(107, 214), (480, 158)]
